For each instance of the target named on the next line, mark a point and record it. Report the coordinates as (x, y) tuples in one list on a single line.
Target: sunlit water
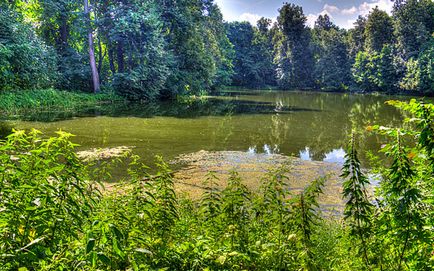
[(312, 126)]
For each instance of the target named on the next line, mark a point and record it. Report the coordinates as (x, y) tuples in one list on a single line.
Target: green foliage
[(293, 55), (405, 186), (196, 36), (413, 26), (26, 62), (356, 37), (420, 72), (137, 29), (20, 102), (152, 49), (46, 198), (144, 49), (253, 61), (53, 216), (378, 30), (358, 208), (332, 64), (375, 71), (411, 80)]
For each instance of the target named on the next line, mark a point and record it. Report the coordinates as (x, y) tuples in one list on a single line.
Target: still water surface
[(312, 126)]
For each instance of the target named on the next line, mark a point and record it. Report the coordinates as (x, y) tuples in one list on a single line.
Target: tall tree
[(332, 66), (61, 26), (264, 25), (379, 30), (356, 37), (253, 62), (241, 35), (414, 24), (95, 75), (293, 55), (324, 23)]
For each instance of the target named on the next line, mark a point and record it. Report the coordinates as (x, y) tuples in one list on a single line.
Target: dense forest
[(160, 49)]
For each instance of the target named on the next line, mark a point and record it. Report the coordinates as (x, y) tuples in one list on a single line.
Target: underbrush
[(52, 217), (16, 102)]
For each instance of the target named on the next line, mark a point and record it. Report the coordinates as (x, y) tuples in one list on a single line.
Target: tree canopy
[(162, 48)]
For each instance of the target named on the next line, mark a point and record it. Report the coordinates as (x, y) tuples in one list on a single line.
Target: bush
[(26, 62), (46, 198)]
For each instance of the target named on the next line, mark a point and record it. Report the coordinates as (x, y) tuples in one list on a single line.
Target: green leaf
[(103, 258), (90, 245)]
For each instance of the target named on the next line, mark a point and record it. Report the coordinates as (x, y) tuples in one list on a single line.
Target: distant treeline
[(381, 53), (145, 49)]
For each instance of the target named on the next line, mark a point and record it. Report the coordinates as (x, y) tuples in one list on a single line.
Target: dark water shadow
[(195, 109), (235, 93)]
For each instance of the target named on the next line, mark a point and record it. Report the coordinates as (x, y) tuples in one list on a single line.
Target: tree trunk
[(95, 75), (111, 57), (120, 56), (64, 32), (101, 56)]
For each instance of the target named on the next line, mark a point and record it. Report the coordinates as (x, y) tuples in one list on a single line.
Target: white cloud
[(331, 9), (345, 17), (349, 11), (349, 24), (249, 17), (311, 18), (366, 7)]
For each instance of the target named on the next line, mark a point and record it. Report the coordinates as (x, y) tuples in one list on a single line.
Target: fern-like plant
[(358, 209)]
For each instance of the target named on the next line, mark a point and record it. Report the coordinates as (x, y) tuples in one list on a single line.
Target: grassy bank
[(19, 102)]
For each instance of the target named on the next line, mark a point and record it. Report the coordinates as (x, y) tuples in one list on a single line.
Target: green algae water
[(312, 126)]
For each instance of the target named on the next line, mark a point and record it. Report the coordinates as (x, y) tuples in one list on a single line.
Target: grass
[(19, 102)]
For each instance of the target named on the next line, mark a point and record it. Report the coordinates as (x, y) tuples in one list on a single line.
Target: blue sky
[(343, 13)]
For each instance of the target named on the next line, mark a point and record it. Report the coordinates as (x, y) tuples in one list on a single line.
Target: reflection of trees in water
[(327, 130), (223, 132), (372, 111), (279, 130), (286, 121)]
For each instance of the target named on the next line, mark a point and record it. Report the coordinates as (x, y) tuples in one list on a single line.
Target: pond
[(309, 125)]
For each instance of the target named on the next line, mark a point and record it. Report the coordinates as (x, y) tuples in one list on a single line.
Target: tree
[(142, 62), (253, 66), (185, 24), (26, 62), (414, 24), (375, 71), (219, 44), (420, 72), (379, 30), (363, 71), (264, 25), (293, 55), (324, 23), (95, 75), (356, 37), (332, 67), (263, 46), (426, 65), (386, 75)]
